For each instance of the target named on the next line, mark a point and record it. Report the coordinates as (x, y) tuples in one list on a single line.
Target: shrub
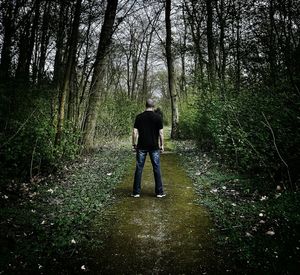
[(27, 140), (256, 132), (116, 117)]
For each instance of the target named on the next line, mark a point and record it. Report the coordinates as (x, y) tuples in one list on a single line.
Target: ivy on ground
[(46, 224), (257, 229)]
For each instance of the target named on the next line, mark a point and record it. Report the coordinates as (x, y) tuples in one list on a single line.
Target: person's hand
[(161, 149), (134, 148)]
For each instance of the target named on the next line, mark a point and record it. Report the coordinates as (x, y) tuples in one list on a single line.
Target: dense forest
[(75, 71), (225, 73)]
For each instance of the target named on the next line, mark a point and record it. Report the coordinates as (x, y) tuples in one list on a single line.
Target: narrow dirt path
[(150, 235)]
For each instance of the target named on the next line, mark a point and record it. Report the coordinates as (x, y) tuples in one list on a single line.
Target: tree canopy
[(226, 72)]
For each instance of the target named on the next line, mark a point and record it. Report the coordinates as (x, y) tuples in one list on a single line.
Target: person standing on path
[(147, 137)]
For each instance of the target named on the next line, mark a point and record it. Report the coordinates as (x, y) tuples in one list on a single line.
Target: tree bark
[(145, 72), (183, 57), (238, 55), (272, 45), (194, 21), (27, 45), (171, 73), (44, 42), (59, 46), (210, 44), (7, 40), (68, 73), (97, 79), (222, 52)]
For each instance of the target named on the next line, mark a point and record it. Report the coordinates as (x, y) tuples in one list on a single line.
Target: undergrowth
[(46, 224), (257, 229)]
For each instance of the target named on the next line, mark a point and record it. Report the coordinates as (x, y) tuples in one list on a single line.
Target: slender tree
[(99, 67), (171, 72), (210, 44), (220, 7), (194, 20), (27, 41), (8, 27), (44, 41), (68, 72)]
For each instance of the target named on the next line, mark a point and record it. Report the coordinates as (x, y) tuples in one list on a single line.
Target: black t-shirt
[(148, 124)]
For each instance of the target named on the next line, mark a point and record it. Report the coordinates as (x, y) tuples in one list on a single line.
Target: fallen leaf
[(263, 198)]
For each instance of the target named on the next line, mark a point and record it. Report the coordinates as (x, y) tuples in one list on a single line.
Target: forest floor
[(149, 235), (83, 220)]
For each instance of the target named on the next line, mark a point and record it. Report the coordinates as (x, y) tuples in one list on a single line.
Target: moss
[(149, 235)]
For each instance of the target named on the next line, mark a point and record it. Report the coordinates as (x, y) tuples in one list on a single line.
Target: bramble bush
[(27, 138), (255, 131)]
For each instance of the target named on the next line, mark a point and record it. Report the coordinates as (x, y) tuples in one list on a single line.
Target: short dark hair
[(149, 103)]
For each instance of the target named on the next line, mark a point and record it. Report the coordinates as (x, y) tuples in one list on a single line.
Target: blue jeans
[(140, 161)]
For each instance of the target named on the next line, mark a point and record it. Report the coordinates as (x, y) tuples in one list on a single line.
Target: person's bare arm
[(135, 135), (161, 140)]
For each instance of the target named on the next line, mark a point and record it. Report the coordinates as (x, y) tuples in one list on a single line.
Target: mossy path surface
[(150, 235)]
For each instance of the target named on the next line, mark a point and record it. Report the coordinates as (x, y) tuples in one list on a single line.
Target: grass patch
[(46, 224), (258, 229)]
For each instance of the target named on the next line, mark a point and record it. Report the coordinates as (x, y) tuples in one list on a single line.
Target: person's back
[(148, 124), (147, 137)]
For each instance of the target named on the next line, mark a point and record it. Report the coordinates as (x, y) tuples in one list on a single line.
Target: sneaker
[(160, 195), (135, 195)]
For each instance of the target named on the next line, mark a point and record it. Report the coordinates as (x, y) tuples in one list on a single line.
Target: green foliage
[(165, 106), (27, 138), (116, 117), (257, 229), (247, 130), (53, 220), (188, 119)]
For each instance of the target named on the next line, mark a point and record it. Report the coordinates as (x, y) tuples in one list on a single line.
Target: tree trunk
[(171, 73), (7, 40), (27, 45), (222, 52), (68, 73), (84, 75), (210, 44), (195, 25), (183, 58), (134, 73), (272, 45), (145, 73), (59, 46), (44, 42), (99, 67), (238, 55)]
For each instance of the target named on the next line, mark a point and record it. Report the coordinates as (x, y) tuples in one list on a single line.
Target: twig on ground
[(32, 156)]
